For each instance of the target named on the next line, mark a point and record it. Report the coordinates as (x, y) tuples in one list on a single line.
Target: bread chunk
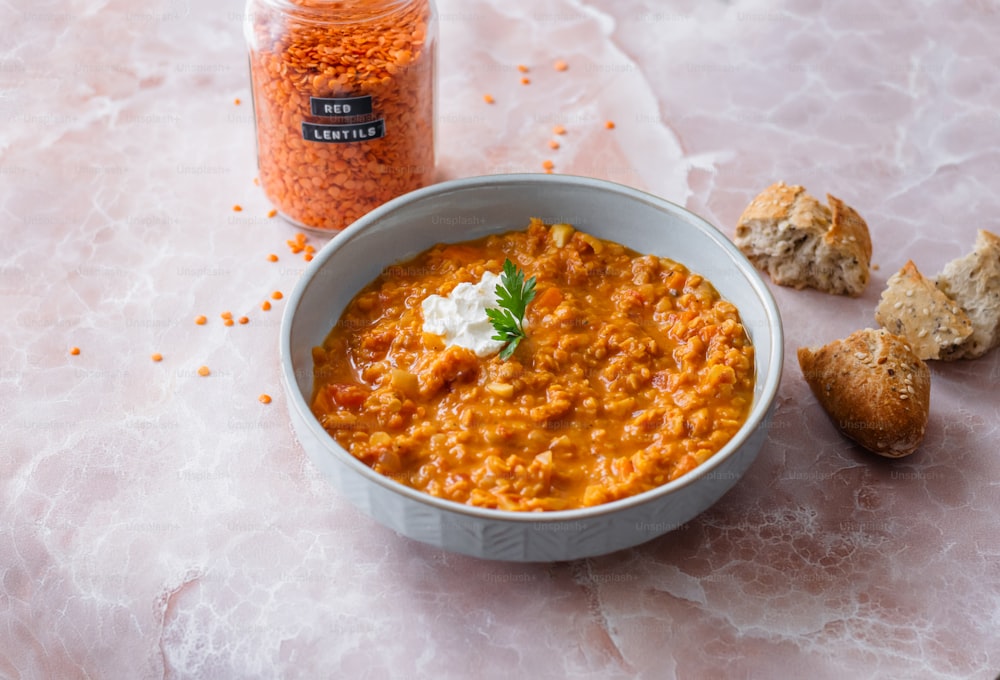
[(873, 387), (802, 243), (913, 308), (973, 281)]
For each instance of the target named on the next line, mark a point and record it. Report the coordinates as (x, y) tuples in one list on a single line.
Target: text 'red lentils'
[(344, 103)]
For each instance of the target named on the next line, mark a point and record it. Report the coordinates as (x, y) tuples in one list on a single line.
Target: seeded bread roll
[(913, 308), (873, 387), (800, 242), (973, 281)]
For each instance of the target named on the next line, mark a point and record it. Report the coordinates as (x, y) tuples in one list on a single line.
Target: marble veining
[(157, 523)]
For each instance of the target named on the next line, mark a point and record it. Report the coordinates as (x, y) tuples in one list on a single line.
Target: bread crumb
[(970, 282)]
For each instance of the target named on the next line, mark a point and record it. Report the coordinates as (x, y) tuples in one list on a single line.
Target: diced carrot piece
[(548, 299)]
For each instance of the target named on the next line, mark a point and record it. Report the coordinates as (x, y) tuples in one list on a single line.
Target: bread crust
[(774, 203), (802, 243), (973, 281), (848, 231), (913, 308), (873, 387)]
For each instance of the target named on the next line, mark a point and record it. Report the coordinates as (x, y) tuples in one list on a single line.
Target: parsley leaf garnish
[(513, 295)]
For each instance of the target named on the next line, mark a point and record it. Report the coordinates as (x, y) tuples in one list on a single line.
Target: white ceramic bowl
[(465, 209)]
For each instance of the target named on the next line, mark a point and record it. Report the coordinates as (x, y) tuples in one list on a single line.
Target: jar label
[(341, 106), (344, 133)]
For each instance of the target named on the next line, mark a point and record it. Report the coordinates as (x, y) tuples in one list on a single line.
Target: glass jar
[(343, 95)]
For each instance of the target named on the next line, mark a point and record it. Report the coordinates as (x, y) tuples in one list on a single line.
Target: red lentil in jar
[(344, 102)]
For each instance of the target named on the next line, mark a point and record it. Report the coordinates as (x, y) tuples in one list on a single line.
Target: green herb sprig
[(513, 296)]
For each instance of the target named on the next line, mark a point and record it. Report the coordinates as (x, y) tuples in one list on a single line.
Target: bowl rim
[(755, 419)]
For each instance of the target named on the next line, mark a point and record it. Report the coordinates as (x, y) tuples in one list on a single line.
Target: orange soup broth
[(634, 371)]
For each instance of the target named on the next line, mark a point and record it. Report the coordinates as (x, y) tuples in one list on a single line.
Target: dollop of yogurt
[(460, 318)]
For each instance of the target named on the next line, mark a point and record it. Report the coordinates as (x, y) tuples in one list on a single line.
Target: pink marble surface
[(155, 523)]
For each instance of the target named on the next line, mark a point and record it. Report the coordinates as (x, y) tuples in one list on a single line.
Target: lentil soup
[(633, 372)]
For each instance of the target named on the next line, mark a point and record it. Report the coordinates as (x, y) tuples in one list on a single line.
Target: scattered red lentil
[(610, 124), (156, 356), (237, 101), (488, 98), (272, 257), (560, 65), (559, 130), (553, 144), (226, 315), (548, 165), (264, 398), (266, 306), (203, 371), (244, 320), (272, 212), (276, 295), (74, 350), (298, 244), (227, 322), (526, 81), (237, 208), (522, 68), (200, 320)]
